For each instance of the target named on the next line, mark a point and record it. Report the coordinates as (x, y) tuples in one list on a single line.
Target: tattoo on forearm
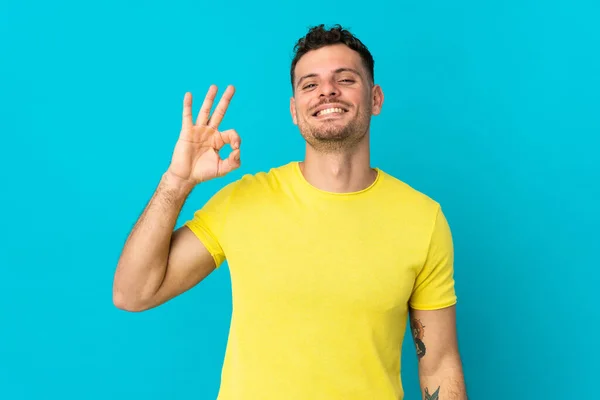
[(434, 396), (418, 333)]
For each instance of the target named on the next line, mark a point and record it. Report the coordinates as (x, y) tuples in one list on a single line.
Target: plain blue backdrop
[(491, 108)]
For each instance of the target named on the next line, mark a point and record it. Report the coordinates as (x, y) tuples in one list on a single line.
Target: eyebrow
[(337, 71)]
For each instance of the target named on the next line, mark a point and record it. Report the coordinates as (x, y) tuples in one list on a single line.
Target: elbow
[(122, 302), (130, 296)]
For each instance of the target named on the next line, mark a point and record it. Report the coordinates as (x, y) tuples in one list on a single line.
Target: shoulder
[(417, 210), (262, 180), (406, 194), (260, 183)]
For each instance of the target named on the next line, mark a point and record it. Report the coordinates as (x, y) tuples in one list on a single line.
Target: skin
[(337, 155), (158, 263), (436, 345), (338, 160)]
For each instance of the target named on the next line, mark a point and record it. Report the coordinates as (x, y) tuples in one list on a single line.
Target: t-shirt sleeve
[(209, 222), (434, 284)]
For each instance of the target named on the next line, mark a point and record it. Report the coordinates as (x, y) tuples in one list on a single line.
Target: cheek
[(303, 111), (303, 104)]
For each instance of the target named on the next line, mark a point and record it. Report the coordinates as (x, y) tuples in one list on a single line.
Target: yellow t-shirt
[(322, 282)]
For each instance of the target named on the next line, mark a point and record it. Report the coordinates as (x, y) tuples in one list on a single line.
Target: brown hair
[(318, 37)]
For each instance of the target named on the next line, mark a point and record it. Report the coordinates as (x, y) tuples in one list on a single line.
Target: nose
[(329, 89)]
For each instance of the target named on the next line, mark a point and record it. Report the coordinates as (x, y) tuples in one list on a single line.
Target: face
[(334, 98)]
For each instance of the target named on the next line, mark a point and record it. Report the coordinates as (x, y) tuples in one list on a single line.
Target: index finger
[(221, 108)]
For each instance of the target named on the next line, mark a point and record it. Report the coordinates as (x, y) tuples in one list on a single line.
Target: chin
[(331, 134)]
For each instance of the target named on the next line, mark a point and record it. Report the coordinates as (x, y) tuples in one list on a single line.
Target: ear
[(376, 99), (293, 110)]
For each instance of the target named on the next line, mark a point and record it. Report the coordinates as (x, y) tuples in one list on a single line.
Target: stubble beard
[(331, 137)]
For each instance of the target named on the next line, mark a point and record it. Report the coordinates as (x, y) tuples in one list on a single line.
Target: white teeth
[(329, 111)]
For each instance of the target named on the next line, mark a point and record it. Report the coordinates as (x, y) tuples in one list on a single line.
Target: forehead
[(328, 59)]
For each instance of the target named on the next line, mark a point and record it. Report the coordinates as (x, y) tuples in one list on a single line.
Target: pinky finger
[(187, 110)]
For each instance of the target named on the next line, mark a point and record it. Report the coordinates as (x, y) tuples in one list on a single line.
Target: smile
[(329, 111)]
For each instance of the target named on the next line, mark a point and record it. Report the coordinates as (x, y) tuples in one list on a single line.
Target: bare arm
[(158, 263), (440, 368)]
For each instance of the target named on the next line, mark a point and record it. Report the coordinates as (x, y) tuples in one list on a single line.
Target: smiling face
[(334, 98)]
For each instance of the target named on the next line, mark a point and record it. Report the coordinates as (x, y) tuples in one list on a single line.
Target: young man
[(328, 257)]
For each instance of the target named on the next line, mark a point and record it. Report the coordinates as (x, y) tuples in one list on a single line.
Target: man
[(327, 256)]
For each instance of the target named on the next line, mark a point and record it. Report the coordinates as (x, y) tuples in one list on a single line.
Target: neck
[(343, 172)]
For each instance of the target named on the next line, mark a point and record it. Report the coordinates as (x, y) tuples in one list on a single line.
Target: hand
[(196, 155)]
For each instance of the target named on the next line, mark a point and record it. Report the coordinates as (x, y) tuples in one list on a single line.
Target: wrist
[(176, 184)]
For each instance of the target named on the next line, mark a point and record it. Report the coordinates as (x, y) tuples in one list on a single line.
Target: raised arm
[(158, 263), (440, 368)]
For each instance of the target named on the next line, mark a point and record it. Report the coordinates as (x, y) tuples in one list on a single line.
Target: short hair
[(318, 37)]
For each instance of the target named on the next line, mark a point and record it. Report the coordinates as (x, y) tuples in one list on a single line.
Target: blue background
[(492, 108)]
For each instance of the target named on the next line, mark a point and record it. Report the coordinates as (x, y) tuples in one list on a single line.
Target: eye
[(348, 80), (310, 85)]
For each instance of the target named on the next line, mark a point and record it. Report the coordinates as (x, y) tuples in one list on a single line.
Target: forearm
[(446, 382), (143, 262)]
